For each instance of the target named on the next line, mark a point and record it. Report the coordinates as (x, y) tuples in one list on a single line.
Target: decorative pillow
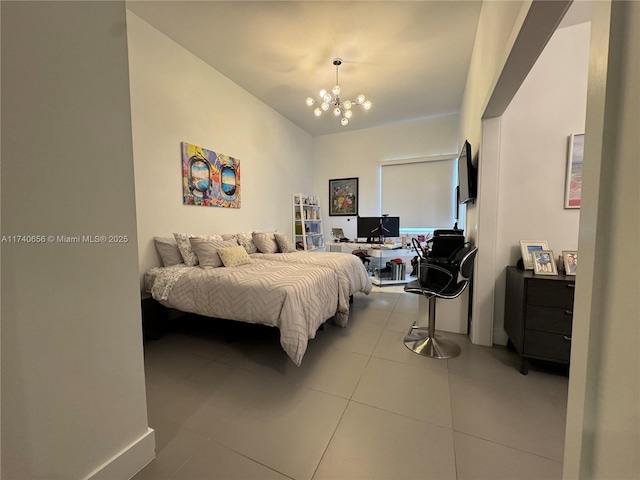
[(168, 250), (234, 256), (230, 236), (189, 256), (266, 242), (246, 240), (207, 250), (285, 245)]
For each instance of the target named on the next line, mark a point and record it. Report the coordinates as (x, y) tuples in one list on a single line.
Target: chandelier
[(341, 108)]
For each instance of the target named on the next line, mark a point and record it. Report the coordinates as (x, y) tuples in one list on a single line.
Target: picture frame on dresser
[(570, 258), (527, 247), (544, 263)]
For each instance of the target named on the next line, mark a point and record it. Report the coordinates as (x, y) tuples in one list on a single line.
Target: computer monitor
[(376, 229), (390, 227), (369, 228)]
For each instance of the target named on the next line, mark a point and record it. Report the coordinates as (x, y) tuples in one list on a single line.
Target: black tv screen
[(377, 228), (467, 175), (368, 227), (390, 226)]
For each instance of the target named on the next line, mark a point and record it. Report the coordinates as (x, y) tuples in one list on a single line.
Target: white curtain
[(420, 191)]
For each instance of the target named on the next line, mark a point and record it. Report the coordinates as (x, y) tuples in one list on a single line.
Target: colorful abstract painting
[(209, 179)]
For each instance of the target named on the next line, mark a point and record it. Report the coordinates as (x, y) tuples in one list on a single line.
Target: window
[(421, 191)]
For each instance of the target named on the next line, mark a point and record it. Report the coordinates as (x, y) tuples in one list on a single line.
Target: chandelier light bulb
[(324, 106), (336, 90), (317, 111), (322, 93), (367, 105), (310, 101), (327, 97), (336, 111), (344, 121), (360, 99), (347, 104), (348, 113)]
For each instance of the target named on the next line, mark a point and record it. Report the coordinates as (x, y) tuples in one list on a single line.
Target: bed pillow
[(189, 256), (265, 242), (285, 245), (207, 250), (168, 250), (230, 236), (246, 240), (234, 256)]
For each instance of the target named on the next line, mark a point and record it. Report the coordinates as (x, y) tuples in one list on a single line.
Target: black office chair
[(439, 278)]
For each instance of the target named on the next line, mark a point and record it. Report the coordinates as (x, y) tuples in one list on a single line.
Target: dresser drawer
[(548, 319), (558, 294), (553, 346)]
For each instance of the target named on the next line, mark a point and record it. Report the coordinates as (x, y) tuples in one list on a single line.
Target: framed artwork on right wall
[(573, 186)]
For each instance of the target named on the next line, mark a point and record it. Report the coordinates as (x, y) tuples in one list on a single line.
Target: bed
[(352, 276), (294, 297)]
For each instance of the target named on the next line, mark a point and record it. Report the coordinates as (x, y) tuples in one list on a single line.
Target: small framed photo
[(570, 262), (544, 263), (527, 247), (343, 197)]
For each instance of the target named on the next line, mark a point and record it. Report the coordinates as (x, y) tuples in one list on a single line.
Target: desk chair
[(440, 279)]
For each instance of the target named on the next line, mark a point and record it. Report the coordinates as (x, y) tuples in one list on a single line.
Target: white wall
[(498, 26), (176, 97), (73, 392), (550, 105), (358, 153)]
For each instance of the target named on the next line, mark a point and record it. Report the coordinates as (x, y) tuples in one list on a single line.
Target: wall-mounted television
[(467, 176), (375, 229)]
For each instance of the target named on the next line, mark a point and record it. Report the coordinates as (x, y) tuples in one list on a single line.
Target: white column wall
[(603, 415), (73, 391)]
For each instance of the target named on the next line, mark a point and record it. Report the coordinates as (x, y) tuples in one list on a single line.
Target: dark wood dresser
[(538, 314)]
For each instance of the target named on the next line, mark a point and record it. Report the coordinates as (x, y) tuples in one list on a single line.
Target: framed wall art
[(209, 178), (527, 247), (573, 186), (544, 263), (343, 197)]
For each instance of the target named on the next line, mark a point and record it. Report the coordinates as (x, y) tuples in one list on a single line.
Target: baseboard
[(129, 461)]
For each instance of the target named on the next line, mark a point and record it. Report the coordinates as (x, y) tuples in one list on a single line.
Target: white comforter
[(352, 275), (295, 298)]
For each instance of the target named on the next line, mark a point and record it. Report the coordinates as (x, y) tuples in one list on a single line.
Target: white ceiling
[(409, 58)]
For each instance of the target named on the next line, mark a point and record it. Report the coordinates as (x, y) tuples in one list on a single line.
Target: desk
[(538, 315), (379, 257)]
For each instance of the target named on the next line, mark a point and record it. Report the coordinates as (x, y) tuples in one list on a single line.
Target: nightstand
[(538, 316)]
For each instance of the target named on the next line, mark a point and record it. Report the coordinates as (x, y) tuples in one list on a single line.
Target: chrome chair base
[(431, 346)]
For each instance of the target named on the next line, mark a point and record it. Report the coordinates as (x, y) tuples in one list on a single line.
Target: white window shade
[(420, 191)]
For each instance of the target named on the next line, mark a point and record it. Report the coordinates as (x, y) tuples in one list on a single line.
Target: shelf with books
[(307, 222)]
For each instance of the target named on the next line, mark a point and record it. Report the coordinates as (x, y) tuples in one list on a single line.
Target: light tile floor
[(361, 405)]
